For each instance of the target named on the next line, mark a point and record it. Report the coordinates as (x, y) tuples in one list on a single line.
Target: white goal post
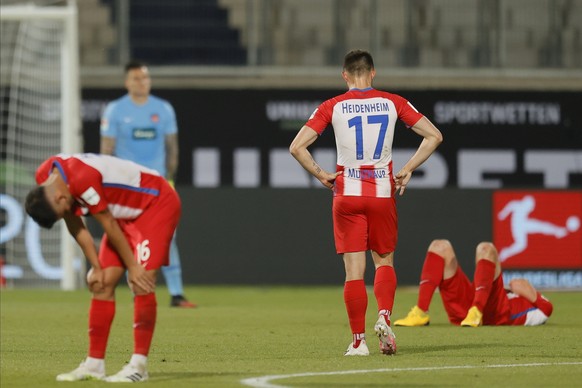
[(40, 116)]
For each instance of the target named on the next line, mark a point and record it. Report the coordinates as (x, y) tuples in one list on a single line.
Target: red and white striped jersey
[(363, 121), (98, 182)]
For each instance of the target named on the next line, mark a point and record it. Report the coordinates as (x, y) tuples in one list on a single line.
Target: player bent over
[(139, 212), (484, 301)]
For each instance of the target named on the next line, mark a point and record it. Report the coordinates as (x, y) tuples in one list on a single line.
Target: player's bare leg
[(523, 288)]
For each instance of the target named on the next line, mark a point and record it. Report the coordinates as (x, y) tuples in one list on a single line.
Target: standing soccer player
[(364, 210), (139, 212), (142, 128)]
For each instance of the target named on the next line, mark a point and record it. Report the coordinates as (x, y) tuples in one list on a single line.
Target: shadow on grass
[(371, 385), (158, 377), (412, 349)]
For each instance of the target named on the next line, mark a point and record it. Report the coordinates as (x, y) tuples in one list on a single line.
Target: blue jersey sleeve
[(171, 125), (108, 126)]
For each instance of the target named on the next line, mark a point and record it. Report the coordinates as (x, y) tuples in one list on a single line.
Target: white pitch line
[(264, 381)]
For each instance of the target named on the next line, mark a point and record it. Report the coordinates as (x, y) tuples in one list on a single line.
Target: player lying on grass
[(484, 301), (139, 212)]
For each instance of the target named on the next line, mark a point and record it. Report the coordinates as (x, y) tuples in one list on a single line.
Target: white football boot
[(361, 350), (83, 372), (386, 336), (129, 374)]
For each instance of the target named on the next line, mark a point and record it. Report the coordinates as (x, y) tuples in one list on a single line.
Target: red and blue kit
[(363, 121), (502, 308), (144, 204)]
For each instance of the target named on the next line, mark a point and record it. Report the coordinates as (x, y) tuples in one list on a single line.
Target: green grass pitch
[(240, 333)]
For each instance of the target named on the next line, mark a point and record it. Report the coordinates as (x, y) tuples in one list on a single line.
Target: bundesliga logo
[(538, 229)]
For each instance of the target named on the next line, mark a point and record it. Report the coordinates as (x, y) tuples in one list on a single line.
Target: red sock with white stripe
[(144, 322), (430, 278), (356, 300), (357, 339), (385, 289), (484, 276), (101, 313)]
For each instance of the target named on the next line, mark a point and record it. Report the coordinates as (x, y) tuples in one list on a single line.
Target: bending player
[(139, 212), (483, 302)]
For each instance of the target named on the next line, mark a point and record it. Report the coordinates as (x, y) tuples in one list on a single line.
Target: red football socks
[(356, 300), (101, 313), (385, 288), (357, 339), (430, 278), (484, 276), (144, 322)]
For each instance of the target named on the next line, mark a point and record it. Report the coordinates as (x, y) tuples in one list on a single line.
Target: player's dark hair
[(134, 64), (357, 62), (38, 207)]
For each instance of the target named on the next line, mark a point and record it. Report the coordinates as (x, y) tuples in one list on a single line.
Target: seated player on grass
[(482, 302)]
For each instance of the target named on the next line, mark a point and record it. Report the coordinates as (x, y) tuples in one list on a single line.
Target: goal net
[(39, 113)]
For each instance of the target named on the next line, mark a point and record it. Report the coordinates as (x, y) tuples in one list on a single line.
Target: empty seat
[(183, 32)]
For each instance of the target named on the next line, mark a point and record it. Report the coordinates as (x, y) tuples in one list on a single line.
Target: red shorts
[(458, 292), (149, 235), (364, 223)]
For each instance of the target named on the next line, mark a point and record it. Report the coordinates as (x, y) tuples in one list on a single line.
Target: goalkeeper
[(142, 128), (485, 301)]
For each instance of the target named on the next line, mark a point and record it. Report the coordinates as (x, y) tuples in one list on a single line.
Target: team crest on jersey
[(91, 197), (155, 118)]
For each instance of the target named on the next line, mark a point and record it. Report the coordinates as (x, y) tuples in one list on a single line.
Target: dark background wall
[(270, 232), (507, 127), (267, 236)]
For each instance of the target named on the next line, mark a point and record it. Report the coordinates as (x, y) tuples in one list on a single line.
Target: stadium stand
[(418, 33), (183, 32), (97, 34), (296, 33), (512, 34)]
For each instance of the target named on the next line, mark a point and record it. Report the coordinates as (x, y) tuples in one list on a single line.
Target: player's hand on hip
[(401, 180), (328, 179)]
